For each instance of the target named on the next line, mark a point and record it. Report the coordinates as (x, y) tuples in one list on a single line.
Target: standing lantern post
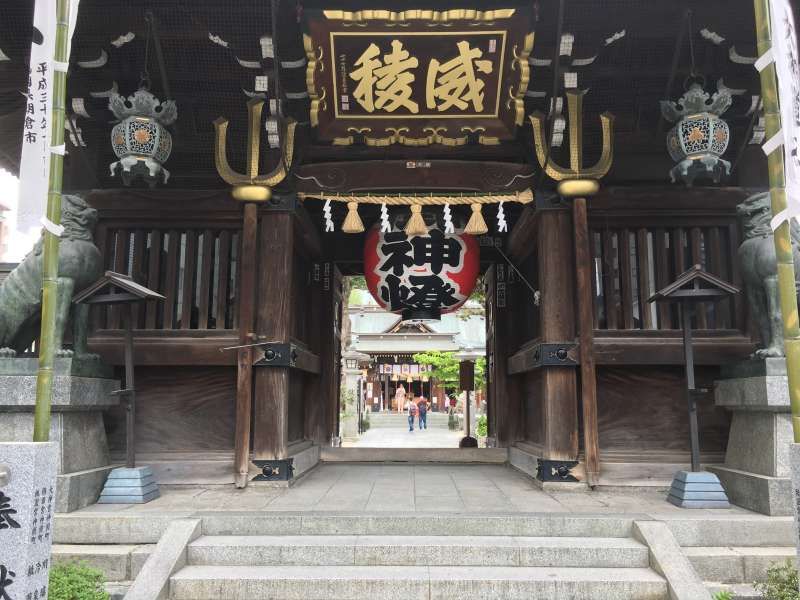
[(695, 488), (128, 485)]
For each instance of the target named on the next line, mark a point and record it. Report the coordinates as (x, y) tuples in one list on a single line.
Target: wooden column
[(244, 372), (325, 388), (557, 324), (583, 270), (274, 323)]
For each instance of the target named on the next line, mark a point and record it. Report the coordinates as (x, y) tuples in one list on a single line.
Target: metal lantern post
[(695, 489), (129, 484)]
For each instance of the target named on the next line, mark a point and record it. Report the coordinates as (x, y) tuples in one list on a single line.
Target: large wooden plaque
[(417, 77)]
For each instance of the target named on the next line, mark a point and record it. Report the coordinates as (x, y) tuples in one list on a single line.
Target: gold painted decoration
[(417, 76), (246, 184), (576, 170)]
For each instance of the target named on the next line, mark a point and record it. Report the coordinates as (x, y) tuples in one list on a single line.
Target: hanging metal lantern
[(420, 276), (700, 137), (140, 140)]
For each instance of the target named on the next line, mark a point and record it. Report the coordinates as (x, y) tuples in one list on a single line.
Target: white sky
[(18, 243)]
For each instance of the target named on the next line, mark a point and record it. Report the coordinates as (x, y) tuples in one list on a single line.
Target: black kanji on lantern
[(6, 520), (396, 248), (425, 292), (433, 250), (436, 250)]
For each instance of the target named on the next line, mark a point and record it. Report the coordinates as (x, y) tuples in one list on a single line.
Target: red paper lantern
[(420, 277)]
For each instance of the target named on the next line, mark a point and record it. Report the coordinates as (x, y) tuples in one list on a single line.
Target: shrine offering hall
[(565, 163)]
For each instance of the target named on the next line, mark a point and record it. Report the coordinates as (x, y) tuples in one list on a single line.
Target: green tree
[(445, 368)]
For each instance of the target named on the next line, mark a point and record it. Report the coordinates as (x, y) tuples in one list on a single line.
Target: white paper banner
[(35, 164), (784, 51)]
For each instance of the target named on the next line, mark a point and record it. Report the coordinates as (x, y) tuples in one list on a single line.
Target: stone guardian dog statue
[(79, 265), (760, 273)]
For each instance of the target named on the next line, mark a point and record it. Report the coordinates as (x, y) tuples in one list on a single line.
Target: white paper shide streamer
[(326, 211), (784, 51), (502, 224), (448, 220), (34, 173), (386, 227)]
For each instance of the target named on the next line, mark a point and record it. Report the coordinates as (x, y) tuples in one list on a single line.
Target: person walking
[(422, 406), (411, 408)]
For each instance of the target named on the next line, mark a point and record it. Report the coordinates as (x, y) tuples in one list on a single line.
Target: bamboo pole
[(783, 242), (44, 379)]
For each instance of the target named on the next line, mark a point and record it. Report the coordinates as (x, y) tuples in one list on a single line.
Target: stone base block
[(80, 489), (129, 486), (697, 490), (761, 493)]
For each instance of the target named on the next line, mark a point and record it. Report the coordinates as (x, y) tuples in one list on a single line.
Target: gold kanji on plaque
[(455, 83), (385, 85)]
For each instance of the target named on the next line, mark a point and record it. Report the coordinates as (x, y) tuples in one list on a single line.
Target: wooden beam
[(429, 175), (585, 301), (244, 356)]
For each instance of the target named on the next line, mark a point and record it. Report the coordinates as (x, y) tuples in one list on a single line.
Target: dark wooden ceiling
[(628, 77)]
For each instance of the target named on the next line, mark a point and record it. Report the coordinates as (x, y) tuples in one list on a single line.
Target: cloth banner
[(784, 51), (34, 172)]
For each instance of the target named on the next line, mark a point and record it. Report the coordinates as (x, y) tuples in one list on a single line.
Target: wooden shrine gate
[(189, 246)]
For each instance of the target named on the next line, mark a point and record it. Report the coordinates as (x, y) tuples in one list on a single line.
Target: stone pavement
[(396, 437), (403, 489)]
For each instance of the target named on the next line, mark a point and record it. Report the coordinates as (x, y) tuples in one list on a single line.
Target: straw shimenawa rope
[(416, 224)]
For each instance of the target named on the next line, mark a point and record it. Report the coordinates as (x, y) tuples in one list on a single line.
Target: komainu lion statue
[(79, 265), (760, 273)]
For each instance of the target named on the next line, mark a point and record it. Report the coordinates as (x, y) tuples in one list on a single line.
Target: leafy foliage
[(76, 581), (445, 368), (482, 426), (723, 595), (347, 400), (781, 583)]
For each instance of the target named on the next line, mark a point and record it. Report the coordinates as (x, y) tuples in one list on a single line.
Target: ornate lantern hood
[(700, 137), (140, 140)]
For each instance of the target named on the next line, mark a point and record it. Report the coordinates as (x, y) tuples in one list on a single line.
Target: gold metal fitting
[(577, 188), (251, 193)]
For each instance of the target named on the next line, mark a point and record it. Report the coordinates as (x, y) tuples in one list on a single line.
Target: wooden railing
[(641, 244), (631, 264), (195, 269)]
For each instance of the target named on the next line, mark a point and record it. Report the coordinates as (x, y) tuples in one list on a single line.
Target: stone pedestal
[(756, 471), (794, 459), (27, 504), (699, 489), (82, 389), (126, 485)]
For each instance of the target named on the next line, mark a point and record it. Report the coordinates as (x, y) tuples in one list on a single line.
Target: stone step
[(417, 551), (535, 525), (737, 564), (711, 529), (410, 583), (117, 562)]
